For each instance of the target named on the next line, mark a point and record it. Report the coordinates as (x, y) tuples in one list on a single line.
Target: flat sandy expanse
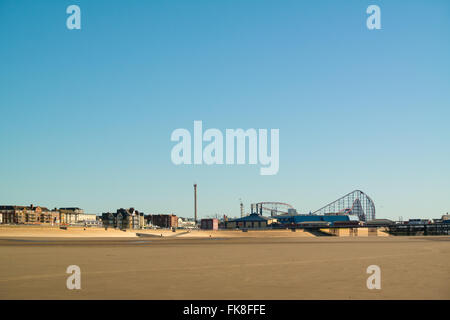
[(258, 265)]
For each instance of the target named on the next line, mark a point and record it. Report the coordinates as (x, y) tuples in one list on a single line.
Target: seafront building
[(297, 219), (209, 224), (70, 215), (252, 221), (123, 219), (87, 218), (162, 220), (186, 223)]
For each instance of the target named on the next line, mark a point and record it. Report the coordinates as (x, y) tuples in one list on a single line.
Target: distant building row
[(121, 219), (41, 215)]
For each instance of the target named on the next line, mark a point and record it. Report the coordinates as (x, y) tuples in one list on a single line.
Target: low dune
[(94, 232), (71, 232)]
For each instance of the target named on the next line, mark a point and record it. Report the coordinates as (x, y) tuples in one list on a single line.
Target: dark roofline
[(13, 207), (253, 217)]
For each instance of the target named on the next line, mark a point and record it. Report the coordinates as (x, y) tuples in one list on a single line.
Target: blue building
[(289, 220), (252, 221)]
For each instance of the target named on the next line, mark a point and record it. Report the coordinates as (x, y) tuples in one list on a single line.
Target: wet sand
[(243, 266)]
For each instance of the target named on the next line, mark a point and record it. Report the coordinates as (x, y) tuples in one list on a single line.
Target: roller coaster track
[(353, 203), (273, 208)]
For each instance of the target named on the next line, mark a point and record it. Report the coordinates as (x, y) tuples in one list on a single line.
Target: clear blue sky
[(86, 115)]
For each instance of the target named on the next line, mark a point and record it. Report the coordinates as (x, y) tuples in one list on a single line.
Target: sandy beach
[(228, 265)]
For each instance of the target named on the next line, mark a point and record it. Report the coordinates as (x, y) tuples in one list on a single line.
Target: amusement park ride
[(355, 203)]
